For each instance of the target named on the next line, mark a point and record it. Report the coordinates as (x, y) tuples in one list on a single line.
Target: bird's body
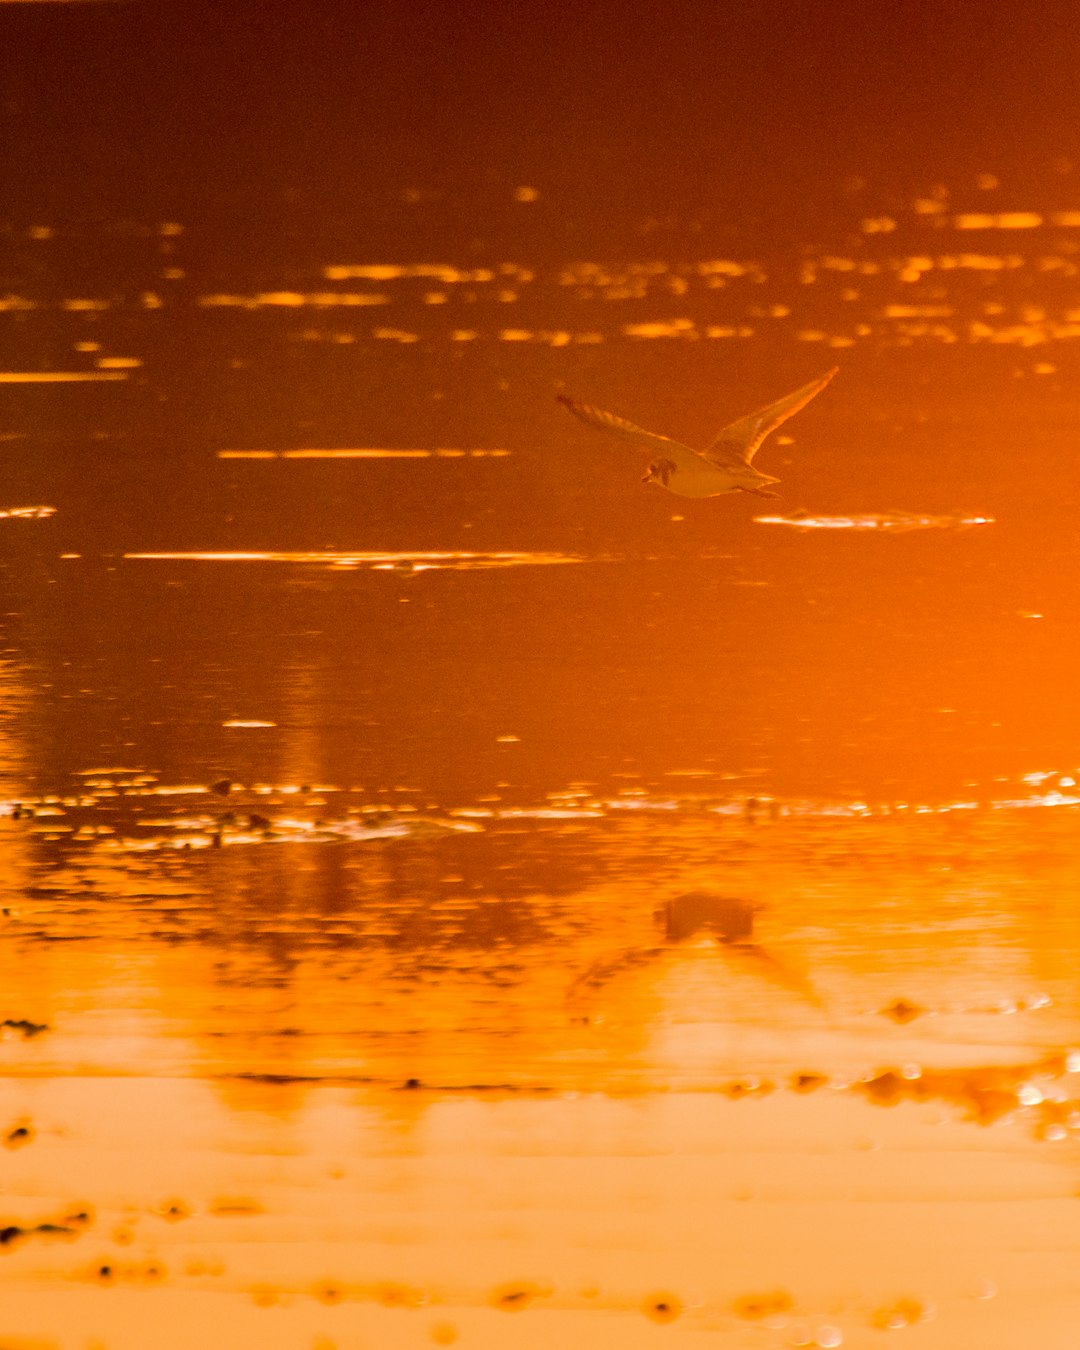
[(725, 465)]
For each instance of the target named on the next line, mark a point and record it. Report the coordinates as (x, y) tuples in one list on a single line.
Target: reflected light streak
[(95, 791), (893, 522), (442, 272), (378, 561), (59, 376), (1004, 220), (290, 300), (373, 452)]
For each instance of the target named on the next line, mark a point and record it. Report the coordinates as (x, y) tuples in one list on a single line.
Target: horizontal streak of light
[(684, 328), (918, 312), (443, 272), (1003, 220), (59, 376), (897, 524), (99, 773), (27, 512), (373, 453), (356, 559), (292, 300)]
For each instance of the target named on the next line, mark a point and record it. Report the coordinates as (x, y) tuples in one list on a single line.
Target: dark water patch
[(24, 1026), (727, 918), (72, 1224), (1043, 1094)]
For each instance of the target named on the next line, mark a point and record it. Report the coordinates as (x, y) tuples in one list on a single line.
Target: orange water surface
[(788, 1077)]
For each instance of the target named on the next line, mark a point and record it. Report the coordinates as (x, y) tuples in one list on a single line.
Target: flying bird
[(725, 465)]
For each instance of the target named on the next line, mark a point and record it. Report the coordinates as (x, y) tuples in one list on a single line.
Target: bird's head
[(659, 471)]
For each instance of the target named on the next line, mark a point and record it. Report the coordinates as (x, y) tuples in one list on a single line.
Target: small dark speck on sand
[(902, 1011), (807, 1082), (662, 1307), (754, 1307), (515, 1297)]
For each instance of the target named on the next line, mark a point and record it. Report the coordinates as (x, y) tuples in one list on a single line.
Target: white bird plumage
[(724, 465)]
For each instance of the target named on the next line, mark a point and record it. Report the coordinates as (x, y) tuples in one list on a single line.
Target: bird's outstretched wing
[(644, 440), (738, 442)]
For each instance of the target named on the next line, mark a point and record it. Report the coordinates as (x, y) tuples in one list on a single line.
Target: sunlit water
[(453, 893)]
